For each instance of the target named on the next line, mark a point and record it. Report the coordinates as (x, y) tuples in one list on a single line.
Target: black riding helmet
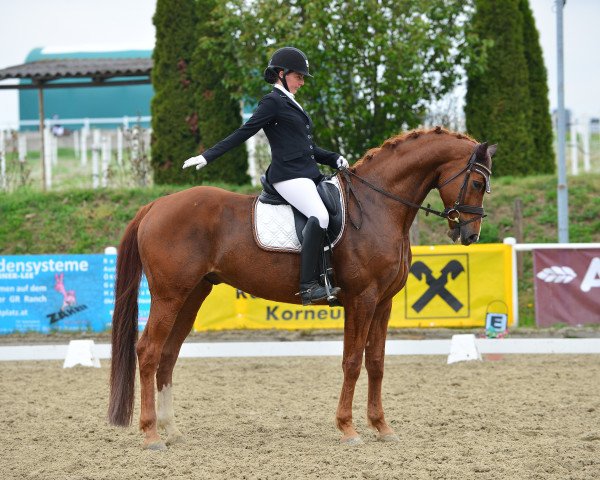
[(288, 59)]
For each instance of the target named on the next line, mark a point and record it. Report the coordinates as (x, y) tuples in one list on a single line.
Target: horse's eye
[(477, 185)]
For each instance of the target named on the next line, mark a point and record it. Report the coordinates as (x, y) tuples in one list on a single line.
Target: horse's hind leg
[(163, 313), (170, 353), (374, 360)]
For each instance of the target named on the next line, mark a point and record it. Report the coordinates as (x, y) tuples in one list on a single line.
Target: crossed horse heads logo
[(437, 286)]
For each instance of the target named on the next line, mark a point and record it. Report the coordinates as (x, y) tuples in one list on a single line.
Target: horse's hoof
[(352, 441), (390, 437), (176, 439), (158, 445)]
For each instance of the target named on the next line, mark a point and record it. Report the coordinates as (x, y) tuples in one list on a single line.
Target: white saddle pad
[(274, 227)]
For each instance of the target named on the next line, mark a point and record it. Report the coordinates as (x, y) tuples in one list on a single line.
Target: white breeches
[(302, 194)]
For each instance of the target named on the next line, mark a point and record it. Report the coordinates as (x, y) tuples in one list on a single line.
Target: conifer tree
[(218, 112), (498, 107), (541, 122), (175, 133)]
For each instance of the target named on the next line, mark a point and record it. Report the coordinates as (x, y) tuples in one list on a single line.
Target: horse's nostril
[(473, 238)]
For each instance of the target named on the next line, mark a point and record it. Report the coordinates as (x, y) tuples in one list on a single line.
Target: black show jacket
[(290, 133)]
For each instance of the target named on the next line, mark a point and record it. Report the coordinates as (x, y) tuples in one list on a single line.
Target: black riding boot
[(310, 289)]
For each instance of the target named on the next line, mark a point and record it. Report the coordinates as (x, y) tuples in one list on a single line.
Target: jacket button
[(312, 156), (310, 136), (311, 147), (308, 126)]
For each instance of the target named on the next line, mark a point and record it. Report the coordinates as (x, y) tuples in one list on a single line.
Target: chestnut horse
[(188, 241)]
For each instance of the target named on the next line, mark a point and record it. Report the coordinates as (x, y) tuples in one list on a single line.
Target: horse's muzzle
[(466, 235), (473, 238), (453, 234)]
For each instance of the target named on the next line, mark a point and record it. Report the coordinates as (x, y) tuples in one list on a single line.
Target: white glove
[(342, 162), (199, 161)]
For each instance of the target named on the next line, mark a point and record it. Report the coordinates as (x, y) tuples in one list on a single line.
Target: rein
[(449, 213)]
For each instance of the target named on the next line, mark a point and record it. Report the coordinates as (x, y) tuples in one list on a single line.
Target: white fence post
[(105, 159), (135, 143), (147, 136), (48, 157), (85, 131), (22, 148), (54, 149), (120, 146), (95, 155), (586, 145), (574, 150), (76, 143)]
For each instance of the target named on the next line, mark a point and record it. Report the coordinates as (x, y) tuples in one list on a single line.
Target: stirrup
[(329, 294)]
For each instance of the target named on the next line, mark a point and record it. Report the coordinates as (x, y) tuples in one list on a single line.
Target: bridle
[(450, 213)]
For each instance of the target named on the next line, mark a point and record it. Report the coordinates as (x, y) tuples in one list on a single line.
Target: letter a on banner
[(592, 276), (567, 283)]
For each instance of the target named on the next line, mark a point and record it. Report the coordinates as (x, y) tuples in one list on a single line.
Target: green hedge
[(505, 100), (541, 122), (175, 133), (219, 114)]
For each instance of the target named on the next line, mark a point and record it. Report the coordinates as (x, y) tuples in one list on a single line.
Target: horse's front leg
[(374, 360), (356, 327)]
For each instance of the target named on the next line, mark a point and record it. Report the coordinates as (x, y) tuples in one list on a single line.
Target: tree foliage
[(500, 107), (218, 112), (541, 122), (376, 64), (175, 134)]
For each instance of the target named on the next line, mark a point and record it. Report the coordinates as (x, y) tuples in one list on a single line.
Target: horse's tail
[(125, 324)]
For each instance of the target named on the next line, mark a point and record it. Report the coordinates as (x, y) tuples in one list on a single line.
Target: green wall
[(90, 102)]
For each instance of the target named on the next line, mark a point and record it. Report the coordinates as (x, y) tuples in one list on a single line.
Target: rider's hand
[(198, 161), (342, 162)]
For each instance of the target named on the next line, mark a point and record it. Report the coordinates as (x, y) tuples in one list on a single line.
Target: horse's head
[(462, 186)]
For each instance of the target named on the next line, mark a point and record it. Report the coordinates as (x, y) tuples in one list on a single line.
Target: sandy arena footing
[(517, 417)]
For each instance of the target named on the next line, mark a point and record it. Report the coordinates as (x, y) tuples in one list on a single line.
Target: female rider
[(293, 171)]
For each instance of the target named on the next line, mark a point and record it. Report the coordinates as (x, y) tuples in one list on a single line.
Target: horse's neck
[(409, 171)]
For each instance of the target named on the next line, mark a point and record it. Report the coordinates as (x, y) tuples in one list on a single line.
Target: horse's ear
[(492, 149), (481, 152)]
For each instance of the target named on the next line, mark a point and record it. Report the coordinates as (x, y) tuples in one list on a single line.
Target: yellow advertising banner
[(448, 286)]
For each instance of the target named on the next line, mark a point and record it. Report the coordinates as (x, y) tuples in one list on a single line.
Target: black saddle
[(328, 192)]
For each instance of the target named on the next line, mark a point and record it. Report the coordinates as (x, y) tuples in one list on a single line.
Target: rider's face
[(294, 81)]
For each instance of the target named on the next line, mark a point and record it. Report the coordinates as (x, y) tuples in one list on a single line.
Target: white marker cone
[(463, 348), (81, 352)]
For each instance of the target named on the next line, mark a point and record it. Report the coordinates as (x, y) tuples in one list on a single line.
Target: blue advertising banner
[(46, 293), (108, 284)]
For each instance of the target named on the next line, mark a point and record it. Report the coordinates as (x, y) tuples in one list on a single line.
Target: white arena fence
[(325, 348), (98, 143)]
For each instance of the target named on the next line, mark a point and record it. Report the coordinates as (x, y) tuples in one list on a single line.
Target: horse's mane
[(410, 135)]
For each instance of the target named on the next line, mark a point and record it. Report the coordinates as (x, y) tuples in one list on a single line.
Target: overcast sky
[(27, 24)]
